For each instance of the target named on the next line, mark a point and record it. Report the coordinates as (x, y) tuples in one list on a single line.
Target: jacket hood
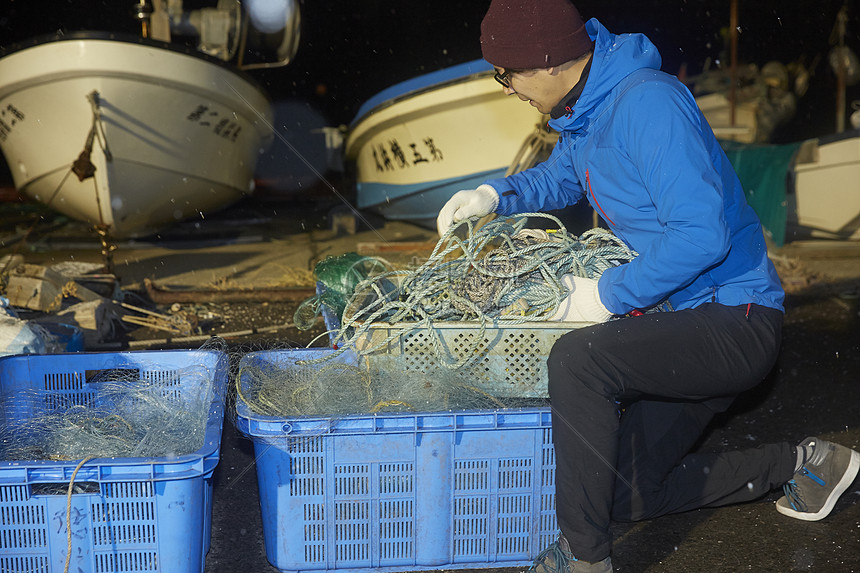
[(616, 56)]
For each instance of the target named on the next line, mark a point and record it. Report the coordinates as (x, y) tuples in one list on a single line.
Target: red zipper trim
[(593, 198)]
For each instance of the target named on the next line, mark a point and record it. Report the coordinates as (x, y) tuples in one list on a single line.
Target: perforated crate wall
[(398, 493), (505, 361), (122, 527)]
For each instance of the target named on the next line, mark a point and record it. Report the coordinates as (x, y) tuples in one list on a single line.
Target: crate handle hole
[(61, 488), (106, 374)]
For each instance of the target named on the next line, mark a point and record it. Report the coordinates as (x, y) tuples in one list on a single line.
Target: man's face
[(537, 87)]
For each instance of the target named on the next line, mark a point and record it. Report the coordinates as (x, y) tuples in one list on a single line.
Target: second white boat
[(419, 142)]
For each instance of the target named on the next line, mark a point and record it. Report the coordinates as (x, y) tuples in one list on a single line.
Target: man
[(633, 142)]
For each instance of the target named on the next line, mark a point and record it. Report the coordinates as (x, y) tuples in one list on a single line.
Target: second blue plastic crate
[(401, 492)]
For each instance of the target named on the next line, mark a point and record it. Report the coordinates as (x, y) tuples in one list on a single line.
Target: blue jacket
[(638, 148)]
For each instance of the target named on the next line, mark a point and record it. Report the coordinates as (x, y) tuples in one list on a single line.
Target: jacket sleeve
[(661, 128), (550, 185)]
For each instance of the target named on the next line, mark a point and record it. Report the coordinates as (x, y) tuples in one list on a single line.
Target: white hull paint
[(717, 110), (827, 188), (178, 135)]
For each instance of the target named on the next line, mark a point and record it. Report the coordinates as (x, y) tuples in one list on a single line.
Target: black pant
[(631, 397)]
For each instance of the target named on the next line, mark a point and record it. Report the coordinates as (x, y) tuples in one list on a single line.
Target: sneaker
[(816, 486), (557, 558)]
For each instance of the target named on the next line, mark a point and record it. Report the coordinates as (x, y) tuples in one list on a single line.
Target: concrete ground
[(813, 389)]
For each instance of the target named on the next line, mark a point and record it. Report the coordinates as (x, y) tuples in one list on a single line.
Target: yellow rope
[(69, 513), (387, 403)]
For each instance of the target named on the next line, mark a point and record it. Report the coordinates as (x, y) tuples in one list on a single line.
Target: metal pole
[(733, 71), (841, 21), (142, 11)]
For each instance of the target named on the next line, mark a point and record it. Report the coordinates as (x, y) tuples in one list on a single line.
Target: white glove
[(582, 303), (468, 203)]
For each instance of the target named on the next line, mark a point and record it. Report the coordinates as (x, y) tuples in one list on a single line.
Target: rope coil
[(501, 274)]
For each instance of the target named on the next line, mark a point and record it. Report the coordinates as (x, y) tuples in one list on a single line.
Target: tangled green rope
[(339, 275)]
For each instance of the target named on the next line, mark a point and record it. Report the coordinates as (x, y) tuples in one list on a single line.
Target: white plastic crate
[(505, 361)]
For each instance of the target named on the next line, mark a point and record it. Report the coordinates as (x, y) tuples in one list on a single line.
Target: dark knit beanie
[(531, 34)]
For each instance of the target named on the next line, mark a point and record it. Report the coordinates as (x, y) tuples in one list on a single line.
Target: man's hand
[(582, 303), (468, 203)]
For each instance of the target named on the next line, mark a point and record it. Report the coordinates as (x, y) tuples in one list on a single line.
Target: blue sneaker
[(557, 558), (816, 486)]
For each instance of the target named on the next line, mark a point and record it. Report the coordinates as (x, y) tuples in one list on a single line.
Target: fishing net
[(338, 276), (121, 412), (501, 271), (502, 274), (291, 387), (499, 276)]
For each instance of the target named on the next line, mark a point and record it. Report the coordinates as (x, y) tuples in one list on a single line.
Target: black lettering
[(197, 113), (397, 152), (435, 152), (416, 156), (219, 127), (15, 111), (386, 161)]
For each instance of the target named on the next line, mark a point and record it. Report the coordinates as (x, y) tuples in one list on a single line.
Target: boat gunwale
[(125, 38), (221, 97), (419, 89)]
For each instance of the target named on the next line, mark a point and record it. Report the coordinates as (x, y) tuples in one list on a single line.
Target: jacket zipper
[(593, 198)]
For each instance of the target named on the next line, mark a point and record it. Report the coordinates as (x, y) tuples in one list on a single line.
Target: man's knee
[(566, 362)]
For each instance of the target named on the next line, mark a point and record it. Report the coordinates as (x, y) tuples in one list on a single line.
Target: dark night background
[(352, 49)]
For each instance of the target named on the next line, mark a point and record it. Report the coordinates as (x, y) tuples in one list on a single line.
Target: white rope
[(502, 273)]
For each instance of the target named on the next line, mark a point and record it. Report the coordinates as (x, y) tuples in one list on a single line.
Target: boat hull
[(743, 127), (826, 185), (422, 142), (804, 190), (173, 135)]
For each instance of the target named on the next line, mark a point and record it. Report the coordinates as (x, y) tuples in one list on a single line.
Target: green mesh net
[(337, 277)]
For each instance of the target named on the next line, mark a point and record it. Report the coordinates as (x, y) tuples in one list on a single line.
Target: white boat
[(134, 134), (763, 100), (808, 190), (415, 144), (741, 127), (824, 190)]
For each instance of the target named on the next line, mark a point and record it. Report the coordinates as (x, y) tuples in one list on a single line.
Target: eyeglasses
[(504, 77)]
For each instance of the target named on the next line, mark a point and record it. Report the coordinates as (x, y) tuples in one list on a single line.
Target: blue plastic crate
[(128, 514), (401, 492)]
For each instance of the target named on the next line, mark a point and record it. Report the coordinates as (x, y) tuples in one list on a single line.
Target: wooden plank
[(161, 294), (382, 247), (39, 288)]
